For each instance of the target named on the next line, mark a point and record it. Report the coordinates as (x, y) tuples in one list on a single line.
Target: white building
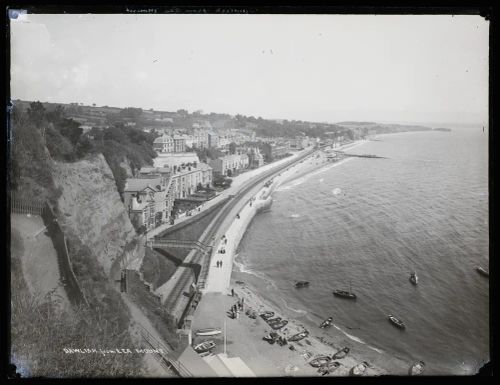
[(164, 143), (229, 164), (175, 159)]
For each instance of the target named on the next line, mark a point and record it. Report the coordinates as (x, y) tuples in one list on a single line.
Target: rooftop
[(140, 184)]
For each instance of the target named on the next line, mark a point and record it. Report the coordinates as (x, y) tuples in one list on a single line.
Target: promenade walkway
[(219, 277)]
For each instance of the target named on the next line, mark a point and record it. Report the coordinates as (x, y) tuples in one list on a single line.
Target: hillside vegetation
[(40, 134), (43, 144)]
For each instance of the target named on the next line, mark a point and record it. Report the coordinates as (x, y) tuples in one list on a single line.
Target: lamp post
[(224, 337)]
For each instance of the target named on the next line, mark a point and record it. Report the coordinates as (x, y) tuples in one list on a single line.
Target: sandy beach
[(244, 335)]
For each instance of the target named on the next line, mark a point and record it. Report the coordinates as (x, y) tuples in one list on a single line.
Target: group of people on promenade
[(222, 250), (234, 312)]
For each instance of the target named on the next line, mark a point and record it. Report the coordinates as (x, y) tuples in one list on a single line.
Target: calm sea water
[(368, 223)]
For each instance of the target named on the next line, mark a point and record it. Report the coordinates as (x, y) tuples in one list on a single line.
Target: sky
[(331, 68)]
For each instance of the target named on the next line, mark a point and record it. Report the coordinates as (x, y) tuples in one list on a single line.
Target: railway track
[(207, 237)]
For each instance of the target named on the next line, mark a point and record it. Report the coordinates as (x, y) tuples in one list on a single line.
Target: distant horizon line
[(421, 123)]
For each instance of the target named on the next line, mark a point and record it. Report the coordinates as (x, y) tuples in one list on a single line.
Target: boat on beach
[(329, 368), (271, 337), (413, 278), (208, 332), (279, 325), (396, 321), (204, 346), (320, 361), (299, 336), (341, 353), (300, 284), (416, 369), (345, 294), (359, 369), (266, 315), (274, 320), (482, 271), (326, 323)]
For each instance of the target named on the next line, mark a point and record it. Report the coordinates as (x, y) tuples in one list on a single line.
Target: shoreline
[(317, 343)]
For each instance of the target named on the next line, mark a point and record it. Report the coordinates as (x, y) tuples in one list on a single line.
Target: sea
[(365, 224)]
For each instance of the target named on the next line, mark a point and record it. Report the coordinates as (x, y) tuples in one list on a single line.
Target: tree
[(36, 112), (84, 147), (71, 130), (232, 148)]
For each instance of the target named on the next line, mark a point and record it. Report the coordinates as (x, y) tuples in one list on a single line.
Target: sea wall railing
[(165, 358)]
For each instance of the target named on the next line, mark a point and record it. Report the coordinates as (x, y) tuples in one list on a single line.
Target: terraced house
[(149, 200)]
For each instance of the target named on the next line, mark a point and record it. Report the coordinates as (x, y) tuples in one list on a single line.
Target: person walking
[(232, 292), (220, 263)]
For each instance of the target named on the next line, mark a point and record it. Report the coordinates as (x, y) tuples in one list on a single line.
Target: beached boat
[(320, 361), (397, 322), (204, 346), (274, 320), (326, 323), (417, 368), (208, 332), (341, 353), (345, 294), (251, 313), (414, 278), (300, 284), (359, 369), (266, 315), (271, 337), (329, 368), (279, 325), (299, 336), (481, 271)]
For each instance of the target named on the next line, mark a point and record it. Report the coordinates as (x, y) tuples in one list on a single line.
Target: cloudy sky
[(308, 67)]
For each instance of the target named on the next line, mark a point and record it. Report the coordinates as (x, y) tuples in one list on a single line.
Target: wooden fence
[(75, 293), (21, 206)]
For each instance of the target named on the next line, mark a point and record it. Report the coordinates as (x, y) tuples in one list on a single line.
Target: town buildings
[(255, 158), (150, 198), (170, 144), (175, 159), (279, 150), (213, 139), (164, 143), (230, 164)]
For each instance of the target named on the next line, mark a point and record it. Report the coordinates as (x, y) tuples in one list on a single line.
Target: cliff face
[(90, 207)]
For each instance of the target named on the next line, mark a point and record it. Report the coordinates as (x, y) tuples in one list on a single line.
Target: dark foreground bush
[(40, 332)]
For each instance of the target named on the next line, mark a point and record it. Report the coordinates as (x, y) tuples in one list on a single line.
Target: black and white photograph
[(206, 193)]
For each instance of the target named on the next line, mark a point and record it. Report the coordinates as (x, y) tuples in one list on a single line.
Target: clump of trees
[(119, 142), (204, 154), (30, 159), (39, 134), (222, 181)]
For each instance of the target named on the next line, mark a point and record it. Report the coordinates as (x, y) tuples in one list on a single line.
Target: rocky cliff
[(90, 208)]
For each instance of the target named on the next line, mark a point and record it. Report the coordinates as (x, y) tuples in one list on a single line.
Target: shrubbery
[(41, 329)]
